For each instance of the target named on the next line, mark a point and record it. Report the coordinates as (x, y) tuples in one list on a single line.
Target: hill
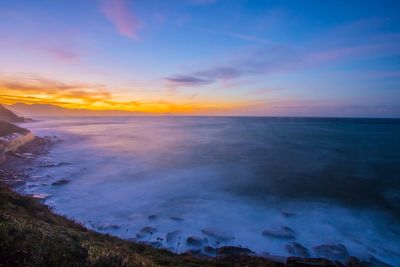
[(47, 110), (9, 116)]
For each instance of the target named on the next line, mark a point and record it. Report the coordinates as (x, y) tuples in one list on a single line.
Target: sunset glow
[(202, 57)]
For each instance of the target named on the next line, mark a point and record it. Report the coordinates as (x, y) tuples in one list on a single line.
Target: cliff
[(11, 138), (9, 116)]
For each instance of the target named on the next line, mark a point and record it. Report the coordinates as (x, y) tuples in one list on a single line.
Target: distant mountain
[(8, 116), (46, 110)]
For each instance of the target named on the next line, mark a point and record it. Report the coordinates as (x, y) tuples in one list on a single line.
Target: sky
[(204, 57)]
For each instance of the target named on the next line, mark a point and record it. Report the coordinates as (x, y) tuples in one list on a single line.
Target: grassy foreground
[(32, 235)]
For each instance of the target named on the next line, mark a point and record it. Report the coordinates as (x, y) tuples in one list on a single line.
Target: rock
[(194, 252), (280, 233), (374, 262), (295, 249), (139, 236), (196, 241), (217, 236), (178, 219), (61, 182), (302, 262), (231, 251), (172, 236), (105, 226), (148, 230), (63, 164), (332, 252), (210, 250), (152, 217), (288, 214), (339, 264), (353, 262), (145, 232), (156, 244)]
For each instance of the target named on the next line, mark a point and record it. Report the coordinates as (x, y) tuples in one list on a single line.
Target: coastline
[(226, 256)]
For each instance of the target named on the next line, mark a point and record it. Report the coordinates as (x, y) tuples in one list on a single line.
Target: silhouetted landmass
[(47, 110), (9, 116)]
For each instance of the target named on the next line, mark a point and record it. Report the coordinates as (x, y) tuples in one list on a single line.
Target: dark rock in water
[(178, 219), (353, 262), (332, 252), (50, 164), (210, 250), (148, 230), (61, 182), (281, 233), (139, 236), (152, 217), (156, 244), (302, 262), (46, 165), (145, 232), (63, 164), (339, 264), (217, 236), (297, 250), (231, 251), (172, 236), (288, 214), (196, 241), (194, 252), (108, 227), (374, 262)]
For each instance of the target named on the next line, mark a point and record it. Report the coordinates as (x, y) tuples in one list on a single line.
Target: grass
[(32, 235)]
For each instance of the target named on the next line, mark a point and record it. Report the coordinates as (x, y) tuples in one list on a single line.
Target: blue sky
[(224, 57)]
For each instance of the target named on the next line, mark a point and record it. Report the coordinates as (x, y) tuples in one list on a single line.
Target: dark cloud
[(188, 80)]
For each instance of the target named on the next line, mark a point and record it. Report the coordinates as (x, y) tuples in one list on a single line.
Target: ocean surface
[(261, 183)]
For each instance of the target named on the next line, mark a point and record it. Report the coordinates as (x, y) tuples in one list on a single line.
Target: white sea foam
[(230, 179)]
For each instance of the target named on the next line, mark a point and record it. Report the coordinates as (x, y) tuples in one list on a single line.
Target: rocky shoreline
[(15, 172)]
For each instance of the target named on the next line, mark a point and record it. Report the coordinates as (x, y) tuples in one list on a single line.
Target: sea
[(315, 187)]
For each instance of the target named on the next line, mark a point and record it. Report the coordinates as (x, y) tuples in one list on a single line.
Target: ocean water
[(228, 180)]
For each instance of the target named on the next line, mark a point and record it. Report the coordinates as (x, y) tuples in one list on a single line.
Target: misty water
[(310, 181)]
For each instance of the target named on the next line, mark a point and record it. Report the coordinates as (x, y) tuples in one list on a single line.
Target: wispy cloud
[(188, 80), (277, 58), (262, 61), (248, 37), (61, 54), (119, 14)]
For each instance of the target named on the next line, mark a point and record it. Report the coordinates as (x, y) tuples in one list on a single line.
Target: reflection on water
[(263, 183)]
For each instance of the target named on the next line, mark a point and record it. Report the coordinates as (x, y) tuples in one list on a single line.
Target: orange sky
[(38, 90)]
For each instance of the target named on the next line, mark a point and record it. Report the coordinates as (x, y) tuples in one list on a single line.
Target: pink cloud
[(61, 54), (118, 13)]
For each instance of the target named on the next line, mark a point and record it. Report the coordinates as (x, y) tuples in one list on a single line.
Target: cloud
[(262, 61), (277, 58), (61, 54), (35, 89), (248, 37), (118, 13), (187, 80)]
